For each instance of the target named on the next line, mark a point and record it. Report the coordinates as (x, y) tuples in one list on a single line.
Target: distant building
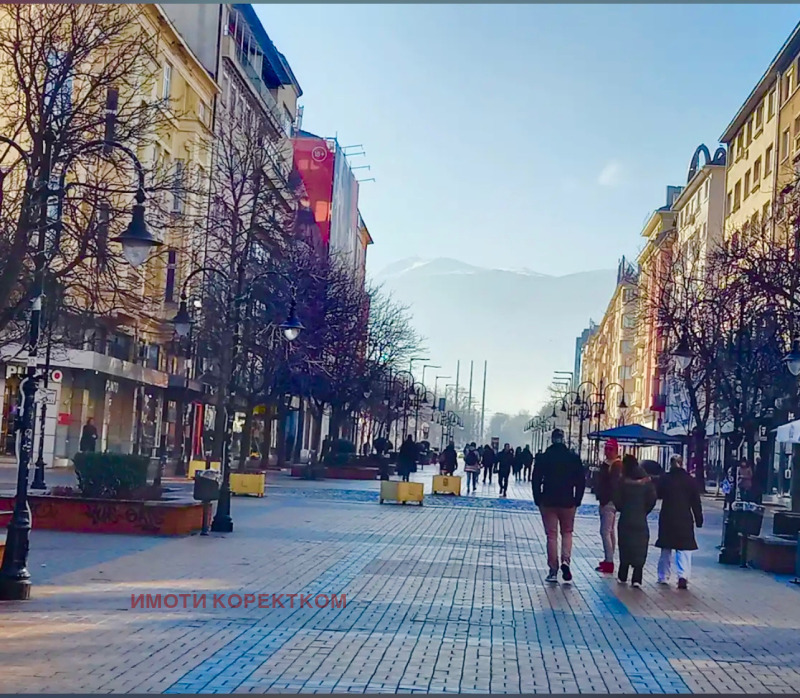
[(580, 343)]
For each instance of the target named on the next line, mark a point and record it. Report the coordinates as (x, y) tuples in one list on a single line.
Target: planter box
[(196, 465), (248, 483), (402, 492), (772, 554), (78, 515), (447, 484)]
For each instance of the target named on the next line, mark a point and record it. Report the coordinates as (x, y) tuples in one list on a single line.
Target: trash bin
[(206, 490), (744, 518)]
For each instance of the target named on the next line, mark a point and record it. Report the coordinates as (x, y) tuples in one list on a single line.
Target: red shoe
[(606, 567)]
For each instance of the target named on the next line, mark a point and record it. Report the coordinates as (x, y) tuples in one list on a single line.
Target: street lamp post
[(137, 241), (291, 328)]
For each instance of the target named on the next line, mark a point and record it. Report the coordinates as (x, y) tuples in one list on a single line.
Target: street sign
[(46, 396), (442, 404)]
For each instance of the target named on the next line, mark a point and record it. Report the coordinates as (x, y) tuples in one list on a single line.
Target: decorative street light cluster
[(137, 242), (539, 427)]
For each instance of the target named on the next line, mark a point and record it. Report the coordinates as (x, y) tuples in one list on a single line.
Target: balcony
[(249, 72)]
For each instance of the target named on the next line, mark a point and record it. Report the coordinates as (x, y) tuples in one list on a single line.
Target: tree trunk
[(247, 438), (281, 440), (299, 432)]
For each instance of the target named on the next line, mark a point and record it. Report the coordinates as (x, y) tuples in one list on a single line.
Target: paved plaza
[(448, 597)]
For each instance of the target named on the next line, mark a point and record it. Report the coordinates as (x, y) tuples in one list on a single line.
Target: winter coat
[(744, 479), (634, 499), (527, 458), (607, 478), (449, 460), (505, 461), (407, 458), (558, 478), (488, 457), (472, 467), (681, 510)]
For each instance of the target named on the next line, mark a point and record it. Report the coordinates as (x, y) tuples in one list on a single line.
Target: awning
[(788, 433), (638, 435)]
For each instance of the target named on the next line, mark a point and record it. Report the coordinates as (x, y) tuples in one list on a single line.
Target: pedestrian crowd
[(626, 494)]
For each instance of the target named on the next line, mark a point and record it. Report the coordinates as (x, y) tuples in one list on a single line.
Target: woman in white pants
[(681, 513)]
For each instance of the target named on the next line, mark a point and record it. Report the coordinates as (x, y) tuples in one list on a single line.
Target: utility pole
[(458, 372), (471, 428), (483, 399)]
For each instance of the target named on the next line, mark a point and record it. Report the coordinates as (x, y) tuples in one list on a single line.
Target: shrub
[(110, 475), (344, 446)]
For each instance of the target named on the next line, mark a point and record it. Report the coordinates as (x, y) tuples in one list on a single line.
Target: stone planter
[(79, 515)]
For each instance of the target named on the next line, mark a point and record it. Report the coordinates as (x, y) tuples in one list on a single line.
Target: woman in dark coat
[(449, 459), (517, 462), (407, 458), (634, 498), (681, 512)]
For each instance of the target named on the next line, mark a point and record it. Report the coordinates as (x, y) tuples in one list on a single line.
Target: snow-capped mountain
[(522, 322)]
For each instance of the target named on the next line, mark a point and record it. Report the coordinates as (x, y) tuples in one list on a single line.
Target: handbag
[(726, 486)]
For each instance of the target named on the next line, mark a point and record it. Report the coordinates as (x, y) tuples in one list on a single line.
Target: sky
[(537, 136)]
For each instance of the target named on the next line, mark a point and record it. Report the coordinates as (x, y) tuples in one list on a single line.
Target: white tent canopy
[(788, 433)]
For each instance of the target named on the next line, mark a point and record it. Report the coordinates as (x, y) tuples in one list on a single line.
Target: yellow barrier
[(392, 490), (248, 483), (196, 465), (447, 484)]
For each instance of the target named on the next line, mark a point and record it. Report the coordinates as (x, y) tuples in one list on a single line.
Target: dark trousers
[(623, 573), (527, 472), (472, 478), (487, 469), (405, 477), (503, 478)]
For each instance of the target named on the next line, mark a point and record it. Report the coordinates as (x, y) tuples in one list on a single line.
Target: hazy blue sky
[(515, 135)]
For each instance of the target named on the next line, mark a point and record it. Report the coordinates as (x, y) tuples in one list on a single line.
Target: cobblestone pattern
[(442, 599)]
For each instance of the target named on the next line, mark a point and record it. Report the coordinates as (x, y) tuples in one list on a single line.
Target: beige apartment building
[(608, 356), (762, 140)]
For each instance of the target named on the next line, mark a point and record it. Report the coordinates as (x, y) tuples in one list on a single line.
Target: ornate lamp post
[(182, 322), (137, 242)]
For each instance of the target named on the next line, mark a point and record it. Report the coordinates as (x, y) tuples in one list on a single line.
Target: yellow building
[(119, 370), (608, 356), (762, 140)]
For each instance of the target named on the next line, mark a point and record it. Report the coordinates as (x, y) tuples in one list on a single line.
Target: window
[(169, 288), (740, 145), (732, 151), (625, 372), (737, 195), (771, 105), (201, 111), (58, 86), (102, 234), (786, 86), (628, 295), (750, 131), (768, 161), (706, 189), (756, 173), (728, 204), (628, 322), (765, 212), (177, 187), (166, 85), (760, 117), (785, 141), (626, 346), (747, 184)]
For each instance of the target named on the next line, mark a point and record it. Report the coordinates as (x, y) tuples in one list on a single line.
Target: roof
[(277, 62), (787, 51), (636, 434)]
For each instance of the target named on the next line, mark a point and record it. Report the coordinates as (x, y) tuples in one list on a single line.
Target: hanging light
[(554, 411), (622, 404), (137, 241), (182, 322), (292, 327), (683, 354), (792, 359)]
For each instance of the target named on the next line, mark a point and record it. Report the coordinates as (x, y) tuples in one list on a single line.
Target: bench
[(770, 553)]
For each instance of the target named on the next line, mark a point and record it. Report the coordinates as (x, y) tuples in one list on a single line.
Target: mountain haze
[(523, 322)]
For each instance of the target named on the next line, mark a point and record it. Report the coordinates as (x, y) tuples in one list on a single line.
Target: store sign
[(112, 387), (46, 396), (64, 418)]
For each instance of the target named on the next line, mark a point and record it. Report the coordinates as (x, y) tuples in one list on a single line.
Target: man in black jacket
[(487, 460), (558, 485), (505, 461)]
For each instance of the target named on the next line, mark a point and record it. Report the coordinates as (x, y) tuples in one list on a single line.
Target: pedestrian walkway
[(444, 598)]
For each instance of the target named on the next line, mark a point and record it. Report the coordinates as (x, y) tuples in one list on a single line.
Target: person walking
[(472, 466), (681, 513), (517, 463), (449, 459), (487, 462), (634, 498), (744, 480), (406, 458), (88, 441), (527, 463), (729, 486), (607, 477), (558, 486), (505, 462)]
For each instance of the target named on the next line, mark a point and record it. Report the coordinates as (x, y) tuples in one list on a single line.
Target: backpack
[(471, 458)]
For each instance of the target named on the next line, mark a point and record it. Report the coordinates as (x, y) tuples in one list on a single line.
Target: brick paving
[(448, 598)]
